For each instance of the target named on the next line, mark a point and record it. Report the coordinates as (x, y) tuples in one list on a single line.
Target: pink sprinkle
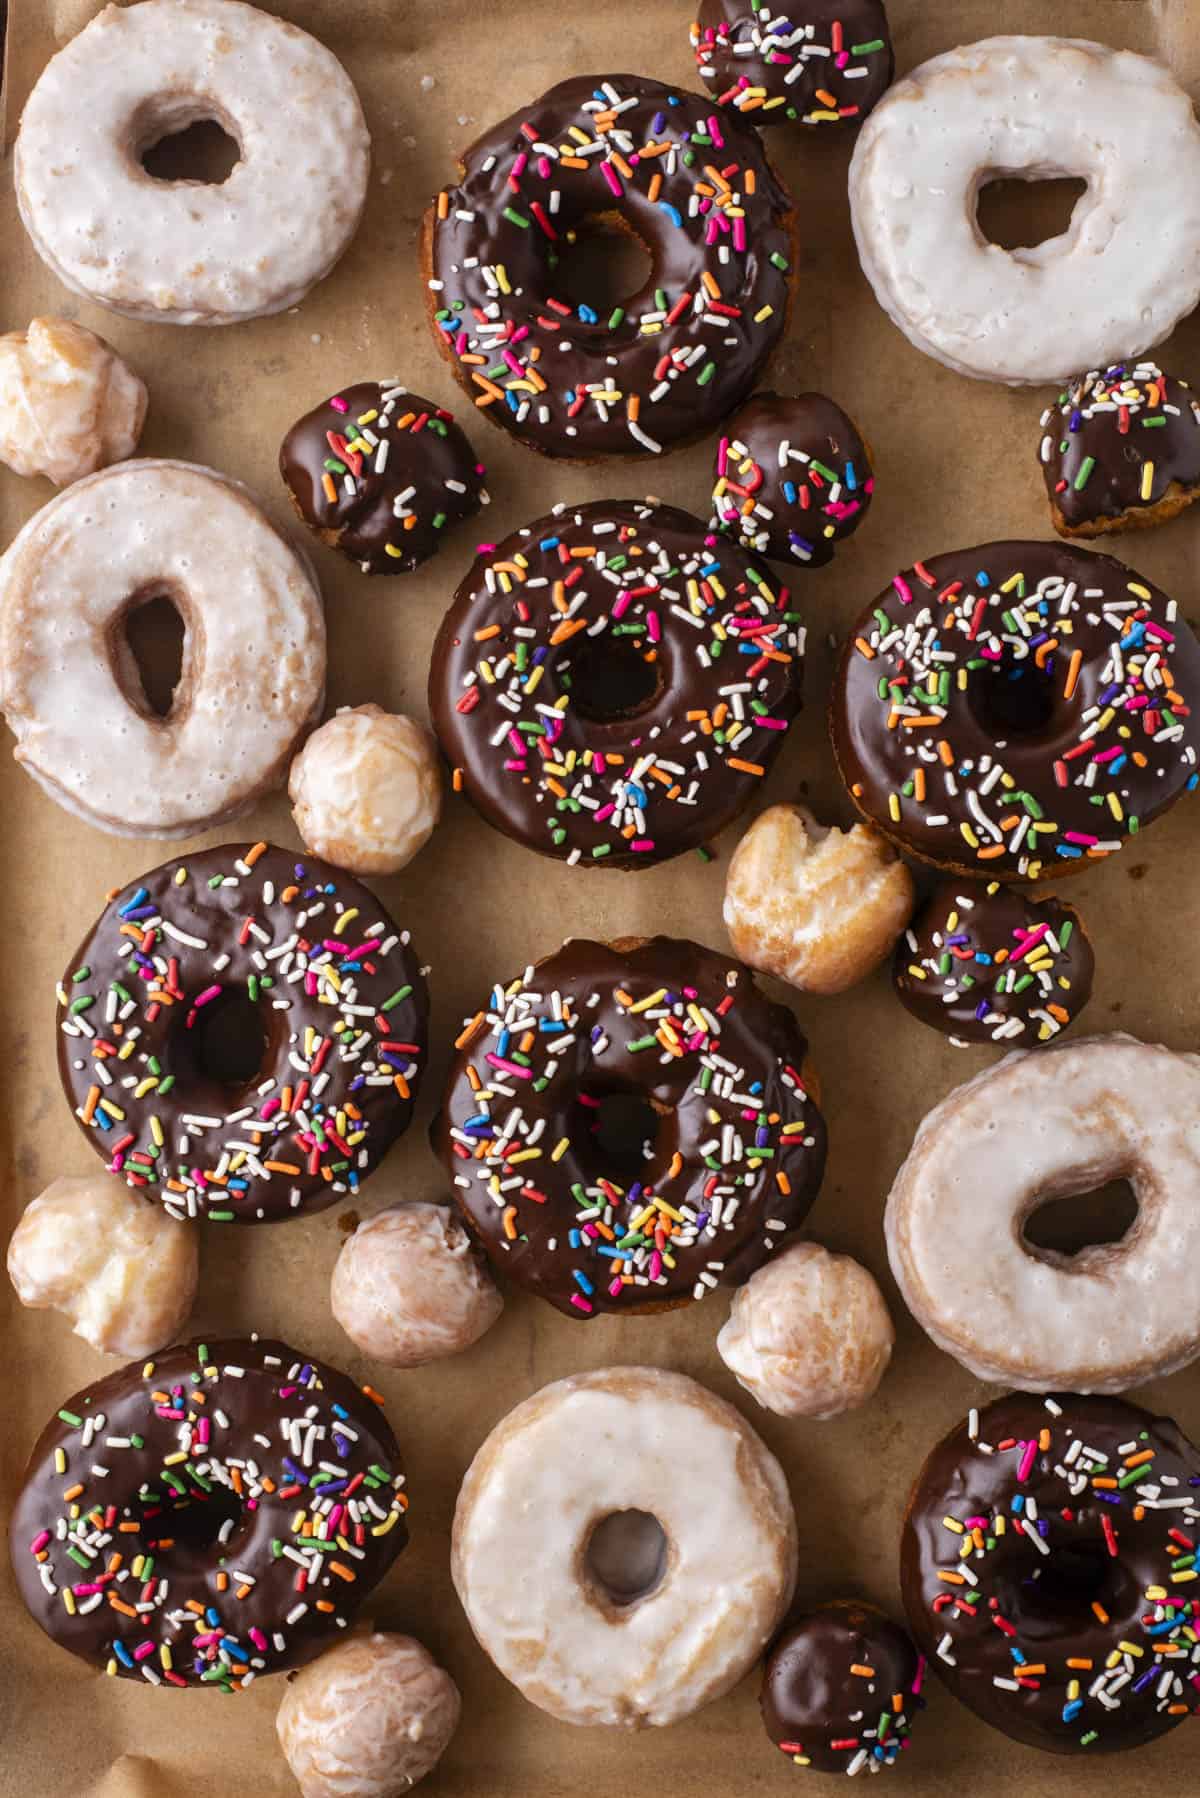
[(207, 996), (609, 174), (603, 815), (339, 405), (577, 1298), (1031, 942), (655, 1265), (142, 1650), (509, 1067), (257, 1637), (1077, 836), (642, 844), (614, 1291), (39, 1542), (1028, 1457), (654, 627), (903, 589), (739, 234)]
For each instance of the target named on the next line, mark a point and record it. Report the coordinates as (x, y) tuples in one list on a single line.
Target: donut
[(1021, 706), (1102, 472), (242, 1035), (381, 474), (1114, 284), (662, 1115), (1043, 1563), (209, 1516), (596, 157), (792, 478), (992, 965), (612, 682), (819, 62), (190, 252), (253, 663), (840, 1687), (68, 403), (366, 790), (656, 1543), (1037, 1127)]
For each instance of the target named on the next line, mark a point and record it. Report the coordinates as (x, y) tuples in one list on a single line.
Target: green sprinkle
[(706, 374), (397, 998), (81, 974), (76, 1423), (1085, 473), (876, 43), (516, 218)]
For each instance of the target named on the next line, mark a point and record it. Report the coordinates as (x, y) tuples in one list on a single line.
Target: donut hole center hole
[(626, 1556), (621, 1127), (1018, 212), (1059, 1589), (1068, 1224), (598, 266), (197, 1528), (610, 679), (155, 634), (187, 143), (228, 1040), (1013, 699)]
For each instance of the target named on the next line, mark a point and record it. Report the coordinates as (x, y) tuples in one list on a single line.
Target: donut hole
[(599, 265), (626, 1556), (610, 679), (227, 1042), (620, 1127), (192, 1529), (1056, 1593), (155, 634), (1068, 1224), (1018, 212), (185, 141), (1013, 699)]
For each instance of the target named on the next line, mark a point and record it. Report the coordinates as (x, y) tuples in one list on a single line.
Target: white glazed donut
[(253, 672), (183, 252), (624, 1439), (1034, 1127), (1114, 284)]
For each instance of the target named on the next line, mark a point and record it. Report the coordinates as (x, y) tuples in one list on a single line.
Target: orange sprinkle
[(742, 767)]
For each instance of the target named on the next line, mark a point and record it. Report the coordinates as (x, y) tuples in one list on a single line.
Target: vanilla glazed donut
[(253, 668), (1037, 1126), (208, 1516), (631, 1625), (1115, 283), (189, 252)]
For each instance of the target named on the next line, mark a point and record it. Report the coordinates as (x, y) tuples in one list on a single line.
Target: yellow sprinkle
[(1147, 479)]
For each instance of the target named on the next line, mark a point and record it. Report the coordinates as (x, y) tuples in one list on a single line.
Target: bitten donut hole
[(1018, 212), (1012, 699), (155, 634), (195, 148), (626, 1556), (622, 1127), (228, 1040), (1071, 1223), (610, 679), (599, 266)]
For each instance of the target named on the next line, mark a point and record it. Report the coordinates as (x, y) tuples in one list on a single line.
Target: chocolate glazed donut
[(208, 1516), (839, 1686), (1045, 1567), (630, 1126), (599, 155), (1016, 708)]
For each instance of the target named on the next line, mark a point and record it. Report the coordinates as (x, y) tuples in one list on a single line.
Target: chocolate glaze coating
[(1104, 1520), (816, 62), (792, 477), (493, 251), (990, 964), (1120, 449), (737, 1155), (826, 1715), (392, 518), (971, 752), (615, 721), (287, 1437), (299, 940)]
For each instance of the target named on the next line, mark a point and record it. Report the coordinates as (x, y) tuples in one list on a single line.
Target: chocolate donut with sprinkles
[(595, 158), (1045, 1568), (1017, 708), (209, 1516), (807, 62), (840, 1689), (628, 1125), (1120, 450), (242, 1035), (612, 682)]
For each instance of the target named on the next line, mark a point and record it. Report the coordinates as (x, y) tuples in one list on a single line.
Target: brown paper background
[(956, 465)]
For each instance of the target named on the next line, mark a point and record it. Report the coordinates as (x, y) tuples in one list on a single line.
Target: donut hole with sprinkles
[(1065, 1226), (626, 1557)]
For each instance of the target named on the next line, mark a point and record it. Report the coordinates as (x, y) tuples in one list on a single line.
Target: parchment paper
[(956, 465)]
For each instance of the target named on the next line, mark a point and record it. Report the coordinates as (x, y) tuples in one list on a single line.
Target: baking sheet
[(956, 464)]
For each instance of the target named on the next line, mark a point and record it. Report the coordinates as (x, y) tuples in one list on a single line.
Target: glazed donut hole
[(819, 907), (366, 790), (409, 1286), (69, 404)]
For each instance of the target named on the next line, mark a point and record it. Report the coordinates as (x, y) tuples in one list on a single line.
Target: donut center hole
[(155, 634), (598, 266), (622, 1127), (228, 1040), (1072, 1222), (1014, 699), (194, 1529), (626, 1555), (610, 678), (200, 151), (1059, 1590), (1018, 212)]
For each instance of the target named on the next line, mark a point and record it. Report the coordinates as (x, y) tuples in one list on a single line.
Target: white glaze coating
[(627, 1438), (366, 790), (1114, 284), (409, 1286), (809, 1334), (185, 252), (368, 1719), (122, 1270), (68, 403), (253, 663), (1039, 1125)]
